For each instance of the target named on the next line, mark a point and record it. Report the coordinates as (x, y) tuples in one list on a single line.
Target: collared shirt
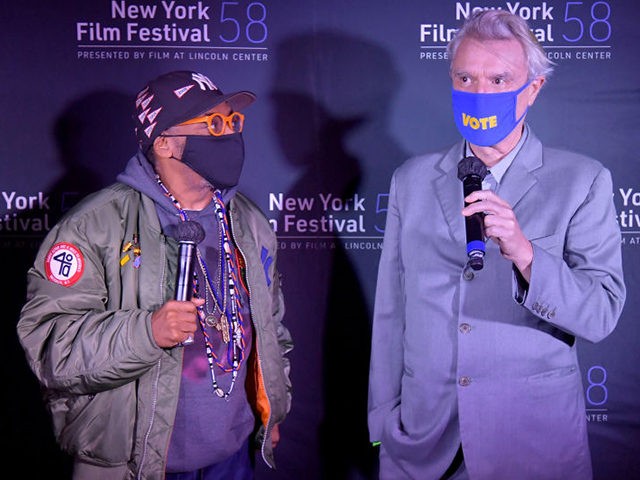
[(500, 168)]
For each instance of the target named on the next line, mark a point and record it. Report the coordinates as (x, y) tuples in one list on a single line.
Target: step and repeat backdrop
[(347, 90)]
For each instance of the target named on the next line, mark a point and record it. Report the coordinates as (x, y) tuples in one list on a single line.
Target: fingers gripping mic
[(190, 234), (472, 171)]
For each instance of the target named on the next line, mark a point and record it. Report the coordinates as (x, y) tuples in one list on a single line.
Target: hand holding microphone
[(500, 223), (176, 318)]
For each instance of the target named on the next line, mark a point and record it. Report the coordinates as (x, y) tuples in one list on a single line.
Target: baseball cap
[(175, 97)]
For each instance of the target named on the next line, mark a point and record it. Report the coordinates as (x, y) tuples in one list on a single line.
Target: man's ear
[(161, 147), (536, 86)]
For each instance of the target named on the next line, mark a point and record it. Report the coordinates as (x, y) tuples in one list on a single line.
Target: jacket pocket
[(99, 427)]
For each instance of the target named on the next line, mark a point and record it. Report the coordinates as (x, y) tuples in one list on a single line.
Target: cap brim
[(241, 100), (237, 100)]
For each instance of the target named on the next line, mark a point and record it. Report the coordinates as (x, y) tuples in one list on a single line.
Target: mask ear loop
[(515, 101)]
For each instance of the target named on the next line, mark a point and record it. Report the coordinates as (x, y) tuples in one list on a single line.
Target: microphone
[(472, 171), (190, 234)]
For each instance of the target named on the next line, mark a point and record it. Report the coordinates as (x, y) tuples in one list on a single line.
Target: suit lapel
[(518, 179), (449, 192)]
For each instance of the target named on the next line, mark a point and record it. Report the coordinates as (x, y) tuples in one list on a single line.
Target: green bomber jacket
[(111, 391)]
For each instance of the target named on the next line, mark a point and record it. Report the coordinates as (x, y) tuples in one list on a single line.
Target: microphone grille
[(190, 231), (471, 166)]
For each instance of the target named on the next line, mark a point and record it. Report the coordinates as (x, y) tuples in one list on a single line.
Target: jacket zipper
[(154, 402)]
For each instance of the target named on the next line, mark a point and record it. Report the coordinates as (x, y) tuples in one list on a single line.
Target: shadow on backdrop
[(331, 94), (91, 137)]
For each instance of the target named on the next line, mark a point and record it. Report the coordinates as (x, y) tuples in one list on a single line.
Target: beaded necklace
[(227, 301)]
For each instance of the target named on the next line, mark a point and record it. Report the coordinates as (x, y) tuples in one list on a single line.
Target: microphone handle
[(474, 226), (184, 279), (470, 184), (184, 286)]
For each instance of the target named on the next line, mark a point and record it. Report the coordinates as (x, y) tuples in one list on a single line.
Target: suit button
[(468, 274), (464, 381), (464, 328), (544, 311), (551, 314)]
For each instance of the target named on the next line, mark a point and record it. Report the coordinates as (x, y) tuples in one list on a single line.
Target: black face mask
[(218, 160)]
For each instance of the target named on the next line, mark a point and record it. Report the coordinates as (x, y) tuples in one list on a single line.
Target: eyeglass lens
[(234, 120)]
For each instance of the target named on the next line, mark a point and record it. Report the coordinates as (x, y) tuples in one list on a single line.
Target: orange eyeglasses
[(217, 121)]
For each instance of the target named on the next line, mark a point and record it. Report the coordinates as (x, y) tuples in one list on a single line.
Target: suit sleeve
[(583, 292)]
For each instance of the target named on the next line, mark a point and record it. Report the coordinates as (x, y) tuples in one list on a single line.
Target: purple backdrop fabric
[(346, 92)]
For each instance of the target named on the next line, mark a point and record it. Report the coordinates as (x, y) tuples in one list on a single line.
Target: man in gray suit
[(474, 370)]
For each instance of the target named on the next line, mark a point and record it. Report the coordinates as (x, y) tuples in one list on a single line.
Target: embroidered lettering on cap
[(152, 116), (179, 92), (149, 130), (64, 264), (203, 81)]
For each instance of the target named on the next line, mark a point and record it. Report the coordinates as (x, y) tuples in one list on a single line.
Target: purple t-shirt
[(207, 428)]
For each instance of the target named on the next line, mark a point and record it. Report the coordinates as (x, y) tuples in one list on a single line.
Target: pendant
[(218, 391), (211, 320), (223, 327)]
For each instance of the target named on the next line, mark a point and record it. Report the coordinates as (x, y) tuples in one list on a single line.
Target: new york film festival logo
[(217, 31), (317, 221), (627, 201), (568, 31), (25, 218)]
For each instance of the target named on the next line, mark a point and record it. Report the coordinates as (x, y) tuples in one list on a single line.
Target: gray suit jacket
[(485, 362)]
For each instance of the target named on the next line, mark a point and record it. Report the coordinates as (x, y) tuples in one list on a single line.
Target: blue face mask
[(486, 119)]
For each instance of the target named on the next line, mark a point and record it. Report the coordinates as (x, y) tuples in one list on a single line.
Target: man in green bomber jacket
[(152, 370)]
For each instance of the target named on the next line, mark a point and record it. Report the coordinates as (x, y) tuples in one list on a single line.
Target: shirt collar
[(500, 168)]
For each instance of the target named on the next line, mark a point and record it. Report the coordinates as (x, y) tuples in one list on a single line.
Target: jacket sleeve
[(284, 336), (73, 342), (581, 292)]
